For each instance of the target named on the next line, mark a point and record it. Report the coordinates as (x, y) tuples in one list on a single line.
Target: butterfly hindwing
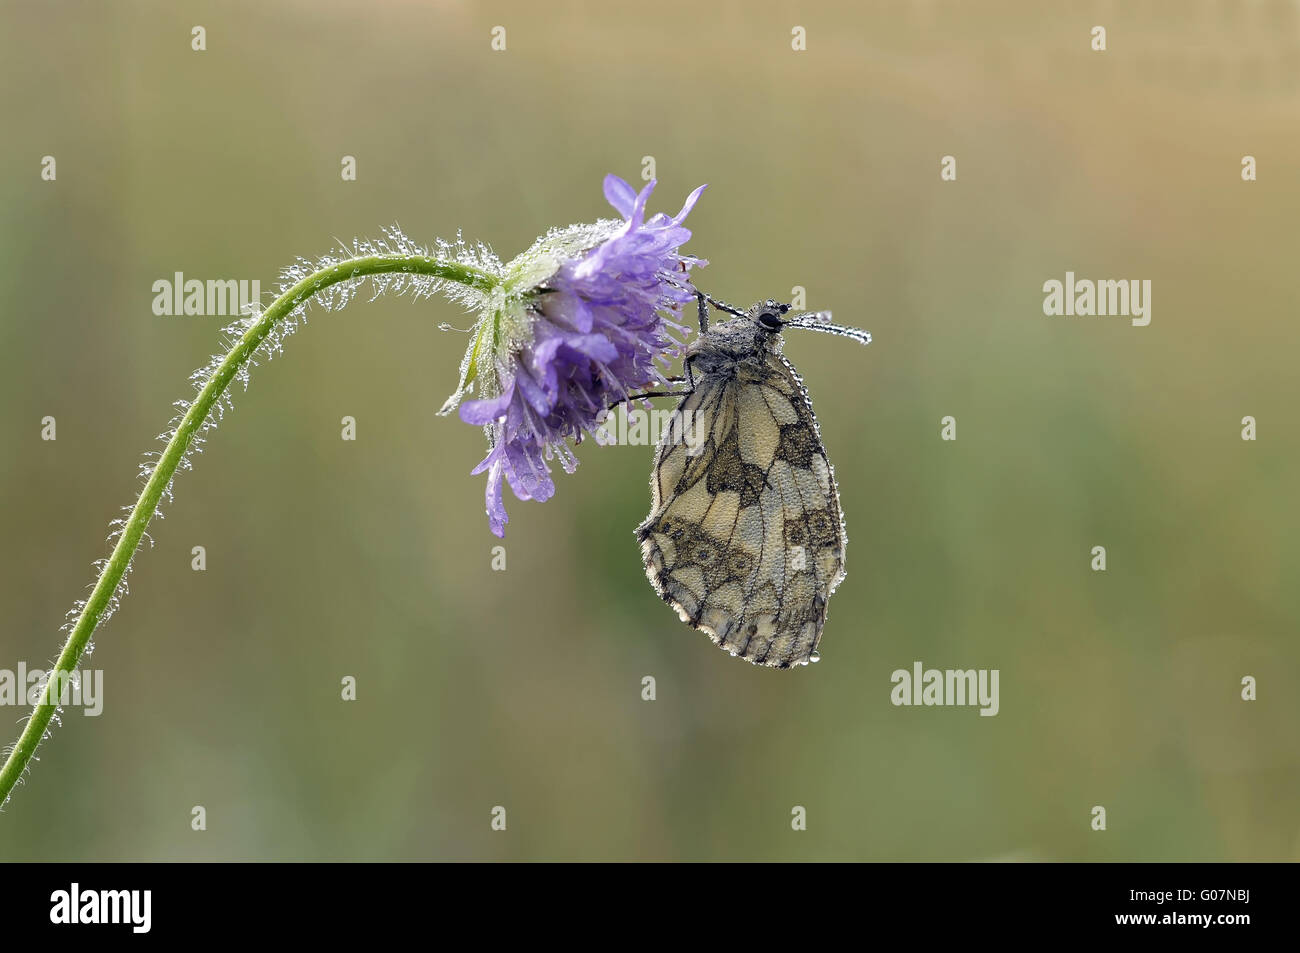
[(745, 537)]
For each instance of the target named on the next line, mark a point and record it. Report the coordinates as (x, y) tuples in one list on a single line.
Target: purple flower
[(584, 334)]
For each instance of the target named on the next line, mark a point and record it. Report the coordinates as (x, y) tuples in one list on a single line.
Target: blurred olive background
[(523, 688)]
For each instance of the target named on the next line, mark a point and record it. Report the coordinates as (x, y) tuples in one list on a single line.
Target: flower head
[(577, 327)]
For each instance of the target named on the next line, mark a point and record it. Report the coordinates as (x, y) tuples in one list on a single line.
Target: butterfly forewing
[(745, 537)]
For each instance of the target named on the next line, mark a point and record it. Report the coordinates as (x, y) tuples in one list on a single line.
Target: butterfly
[(745, 537)]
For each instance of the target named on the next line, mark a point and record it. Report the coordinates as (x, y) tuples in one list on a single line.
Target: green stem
[(147, 505)]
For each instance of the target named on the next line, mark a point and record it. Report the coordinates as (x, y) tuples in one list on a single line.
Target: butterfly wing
[(745, 536)]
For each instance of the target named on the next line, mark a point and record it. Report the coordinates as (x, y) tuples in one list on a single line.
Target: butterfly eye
[(770, 320), (784, 308)]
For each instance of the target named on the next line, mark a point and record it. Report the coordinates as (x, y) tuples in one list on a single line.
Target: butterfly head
[(758, 329), (773, 317), (769, 315), (752, 331)]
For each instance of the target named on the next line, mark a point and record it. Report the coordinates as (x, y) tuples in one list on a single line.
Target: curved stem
[(147, 504)]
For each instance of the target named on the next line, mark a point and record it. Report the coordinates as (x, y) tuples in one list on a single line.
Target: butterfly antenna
[(821, 321)]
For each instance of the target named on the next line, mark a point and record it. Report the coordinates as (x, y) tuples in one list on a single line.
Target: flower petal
[(489, 409), (496, 507), (637, 218), (620, 195), (690, 204)]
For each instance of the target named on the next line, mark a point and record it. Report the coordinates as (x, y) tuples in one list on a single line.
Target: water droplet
[(815, 657)]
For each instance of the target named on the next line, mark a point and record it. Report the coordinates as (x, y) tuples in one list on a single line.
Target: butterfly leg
[(649, 394), (655, 393), (720, 305)]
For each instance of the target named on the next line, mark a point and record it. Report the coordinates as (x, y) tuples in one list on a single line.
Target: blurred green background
[(523, 688)]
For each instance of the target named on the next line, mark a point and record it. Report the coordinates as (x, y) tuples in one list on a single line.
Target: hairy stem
[(147, 505)]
